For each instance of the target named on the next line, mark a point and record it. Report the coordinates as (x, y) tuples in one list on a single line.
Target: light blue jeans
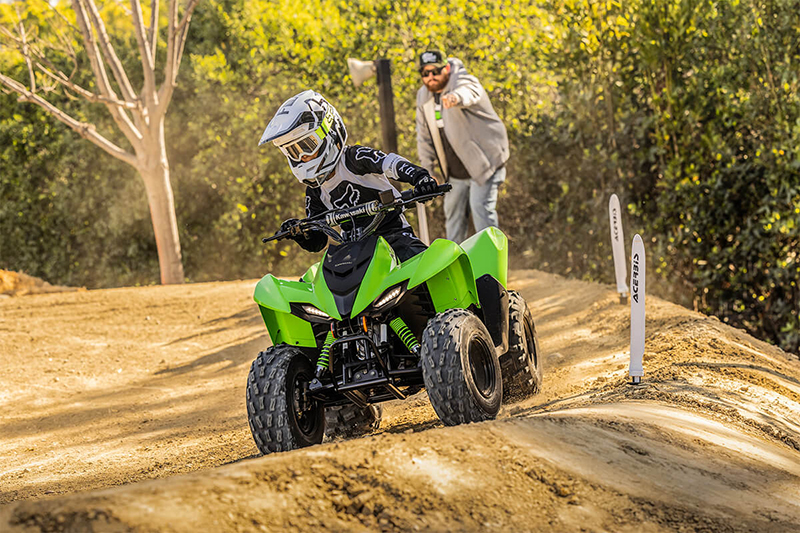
[(467, 196)]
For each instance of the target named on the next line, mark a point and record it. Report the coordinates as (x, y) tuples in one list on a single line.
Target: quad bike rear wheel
[(351, 421), (281, 414), (523, 374), (460, 367)]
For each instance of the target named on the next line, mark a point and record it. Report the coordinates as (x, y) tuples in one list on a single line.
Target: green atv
[(360, 328)]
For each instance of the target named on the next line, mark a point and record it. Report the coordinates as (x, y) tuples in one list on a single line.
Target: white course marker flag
[(635, 370), (618, 246)]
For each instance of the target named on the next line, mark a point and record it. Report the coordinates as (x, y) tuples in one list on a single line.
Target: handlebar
[(328, 220)]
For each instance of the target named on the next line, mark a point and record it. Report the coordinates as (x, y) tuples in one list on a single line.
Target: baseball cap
[(431, 57)]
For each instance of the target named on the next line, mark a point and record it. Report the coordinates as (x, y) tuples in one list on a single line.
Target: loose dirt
[(124, 410), (20, 284)]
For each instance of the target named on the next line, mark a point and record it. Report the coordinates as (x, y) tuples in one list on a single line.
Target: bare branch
[(42, 59), (85, 130), (61, 16), (27, 56), (92, 50), (108, 50), (5, 31), (63, 80), (172, 10), (183, 29), (148, 62), (121, 118), (66, 43), (152, 31), (176, 39), (187, 16), (23, 46)]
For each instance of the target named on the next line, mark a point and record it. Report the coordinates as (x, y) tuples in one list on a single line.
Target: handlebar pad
[(368, 209)]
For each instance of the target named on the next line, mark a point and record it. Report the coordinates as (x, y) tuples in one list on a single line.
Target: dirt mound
[(107, 388), (20, 284)]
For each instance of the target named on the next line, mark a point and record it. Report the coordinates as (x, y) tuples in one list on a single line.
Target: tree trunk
[(155, 173)]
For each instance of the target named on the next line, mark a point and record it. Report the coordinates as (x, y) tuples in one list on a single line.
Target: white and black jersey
[(361, 174)]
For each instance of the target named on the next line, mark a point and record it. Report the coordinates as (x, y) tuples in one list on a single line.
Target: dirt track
[(114, 387)]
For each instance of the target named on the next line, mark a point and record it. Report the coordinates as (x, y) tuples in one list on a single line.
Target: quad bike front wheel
[(460, 367), (282, 416), (523, 374)]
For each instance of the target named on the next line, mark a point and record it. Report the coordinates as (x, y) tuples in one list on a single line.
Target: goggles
[(311, 143), (305, 146)]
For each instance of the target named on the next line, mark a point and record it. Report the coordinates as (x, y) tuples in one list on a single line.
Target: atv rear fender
[(446, 270), (444, 267), (488, 253)]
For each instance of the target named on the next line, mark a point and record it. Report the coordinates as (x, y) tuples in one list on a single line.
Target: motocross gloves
[(310, 239), (425, 185), (291, 225)]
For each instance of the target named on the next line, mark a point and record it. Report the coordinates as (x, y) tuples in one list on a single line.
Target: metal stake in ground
[(618, 247), (636, 370)]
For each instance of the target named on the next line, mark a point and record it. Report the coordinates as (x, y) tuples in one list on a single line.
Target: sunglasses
[(433, 71)]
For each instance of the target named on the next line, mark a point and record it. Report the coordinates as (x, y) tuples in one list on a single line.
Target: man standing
[(461, 139)]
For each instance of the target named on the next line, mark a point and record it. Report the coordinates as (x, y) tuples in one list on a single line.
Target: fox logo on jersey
[(349, 198), (370, 154)]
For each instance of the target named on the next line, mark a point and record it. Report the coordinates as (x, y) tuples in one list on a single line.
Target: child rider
[(311, 134)]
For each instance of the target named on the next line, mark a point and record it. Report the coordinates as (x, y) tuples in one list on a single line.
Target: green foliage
[(687, 109), (66, 215), (690, 110)]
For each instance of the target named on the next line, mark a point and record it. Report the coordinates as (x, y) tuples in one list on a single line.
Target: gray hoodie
[(473, 129)]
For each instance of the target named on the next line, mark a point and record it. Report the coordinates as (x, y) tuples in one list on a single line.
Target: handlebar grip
[(277, 237), (440, 189)]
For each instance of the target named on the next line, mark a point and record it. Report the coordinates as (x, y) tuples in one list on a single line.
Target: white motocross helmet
[(308, 125)]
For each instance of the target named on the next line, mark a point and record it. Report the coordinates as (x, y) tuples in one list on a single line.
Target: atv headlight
[(313, 311), (392, 294), (310, 313)]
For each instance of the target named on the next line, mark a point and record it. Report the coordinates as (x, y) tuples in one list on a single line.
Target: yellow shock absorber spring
[(402, 331), (323, 361)]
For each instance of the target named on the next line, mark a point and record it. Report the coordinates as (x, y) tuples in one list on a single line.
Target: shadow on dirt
[(244, 318), (112, 412), (234, 355)]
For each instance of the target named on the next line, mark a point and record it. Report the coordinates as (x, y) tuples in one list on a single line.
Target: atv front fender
[(287, 329), (275, 293), (273, 297)]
